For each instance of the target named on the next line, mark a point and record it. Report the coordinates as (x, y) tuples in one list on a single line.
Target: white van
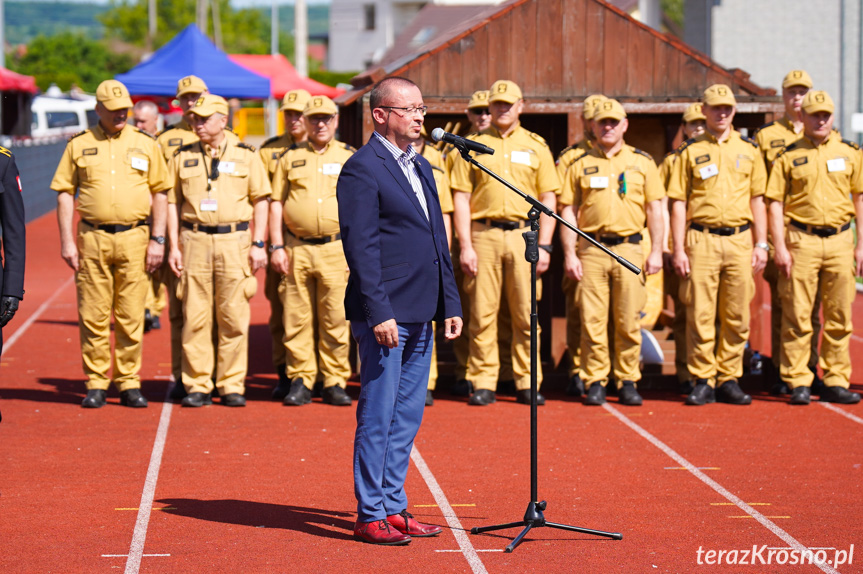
[(62, 116)]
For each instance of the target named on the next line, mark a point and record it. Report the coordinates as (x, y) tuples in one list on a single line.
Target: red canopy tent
[(283, 76), (13, 82)]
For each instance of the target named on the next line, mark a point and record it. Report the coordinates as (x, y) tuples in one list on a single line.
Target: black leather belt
[(114, 227), (724, 231), (504, 224), (820, 230), (316, 240), (217, 229), (612, 240)]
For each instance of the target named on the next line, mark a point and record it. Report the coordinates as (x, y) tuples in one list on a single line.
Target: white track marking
[(32, 318), (136, 550), (452, 520), (721, 490), (842, 412)]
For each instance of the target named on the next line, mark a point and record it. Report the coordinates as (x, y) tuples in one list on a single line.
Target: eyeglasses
[(480, 112), (317, 119), (422, 110)]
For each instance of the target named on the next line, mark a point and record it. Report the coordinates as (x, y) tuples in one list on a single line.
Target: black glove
[(8, 306)]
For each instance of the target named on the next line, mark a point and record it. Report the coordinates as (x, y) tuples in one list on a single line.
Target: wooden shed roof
[(559, 51)]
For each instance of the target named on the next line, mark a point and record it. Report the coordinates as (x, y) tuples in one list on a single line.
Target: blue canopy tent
[(190, 52)]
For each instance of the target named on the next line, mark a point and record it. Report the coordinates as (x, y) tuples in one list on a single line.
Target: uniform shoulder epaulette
[(151, 136), (78, 135), (642, 152), (440, 169), (269, 141), (578, 157), (289, 148), (755, 133), (750, 141), (186, 147), (246, 146), (350, 148), (684, 145), (789, 147), (5, 151), (567, 149), (538, 138), (853, 145), (668, 155)]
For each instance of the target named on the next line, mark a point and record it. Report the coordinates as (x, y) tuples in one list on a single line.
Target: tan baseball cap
[(478, 99), (504, 91), (590, 103), (817, 101), (320, 105), (191, 85), (719, 95), (113, 95), (295, 101), (797, 78), (693, 113), (608, 108), (210, 104)]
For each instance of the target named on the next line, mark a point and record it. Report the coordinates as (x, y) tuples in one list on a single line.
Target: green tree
[(69, 58), (674, 10)]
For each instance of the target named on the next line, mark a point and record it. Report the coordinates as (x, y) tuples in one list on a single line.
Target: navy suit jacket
[(399, 261), (12, 222)]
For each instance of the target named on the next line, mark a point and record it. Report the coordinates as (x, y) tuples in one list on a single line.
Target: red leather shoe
[(405, 523), (379, 532)]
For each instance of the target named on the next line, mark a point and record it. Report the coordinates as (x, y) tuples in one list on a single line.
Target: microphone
[(439, 135)]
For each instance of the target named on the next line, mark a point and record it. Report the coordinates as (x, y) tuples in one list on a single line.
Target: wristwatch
[(258, 243), (547, 248), (763, 245), (276, 247), (160, 239)]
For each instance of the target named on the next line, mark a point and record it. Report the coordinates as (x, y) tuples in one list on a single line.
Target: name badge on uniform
[(708, 171), (227, 167), (209, 205), (598, 182), (331, 168), (521, 157), (837, 164), (140, 164)]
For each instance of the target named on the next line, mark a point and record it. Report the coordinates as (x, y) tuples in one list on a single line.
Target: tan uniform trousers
[(216, 286), (608, 289), (503, 274), (720, 280), (771, 275), (112, 278), (678, 326), (312, 294), (276, 322), (826, 264), (573, 325)]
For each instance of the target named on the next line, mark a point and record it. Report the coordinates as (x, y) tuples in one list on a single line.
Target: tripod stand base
[(533, 518)]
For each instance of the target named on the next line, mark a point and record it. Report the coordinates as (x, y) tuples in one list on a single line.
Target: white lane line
[(766, 522), (32, 318), (842, 412), (125, 555), (452, 520), (460, 550), (136, 550)]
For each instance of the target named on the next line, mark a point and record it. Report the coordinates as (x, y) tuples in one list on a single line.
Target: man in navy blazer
[(401, 278)]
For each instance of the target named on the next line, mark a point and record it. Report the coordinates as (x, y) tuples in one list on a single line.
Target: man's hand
[(783, 259), (542, 264), (69, 253), (572, 266), (155, 256), (681, 263), (175, 261), (8, 306), (452, 327), (468, 261), (759, 259), (858, 257), (654, 263), (257, 258), (280, 262), (387, 333)]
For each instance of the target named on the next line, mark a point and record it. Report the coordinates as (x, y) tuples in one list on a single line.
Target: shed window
[(369, 16)]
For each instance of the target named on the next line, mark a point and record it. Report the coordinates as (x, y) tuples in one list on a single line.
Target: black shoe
[(95, 399), (702, 394), (429, 398), (148, 321), (595, 395), (284, 386), (233, 400), (318, 390), (575, 388), (298, 395), (335, 396), (628, 395), (133, 398), (801, 396), (197, 400), (818, 385), (731, 393), (686, 387), (506, 387), (523, 397), (179, 390), (462, 388), (482, 397), (780, 388), (839, 395), (156, 323)]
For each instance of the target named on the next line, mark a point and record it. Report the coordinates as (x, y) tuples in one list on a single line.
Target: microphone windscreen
[(437, 134)]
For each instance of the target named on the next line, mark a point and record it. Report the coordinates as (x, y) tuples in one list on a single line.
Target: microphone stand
[(533, 517)]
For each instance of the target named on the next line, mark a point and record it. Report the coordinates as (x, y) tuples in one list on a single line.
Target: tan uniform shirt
[(771, 138), (115, 175), (595, 184), (272, 149), (814, 182), (523, 158), (175, 136), (305, 182), (718, 179), (666, 167), (441, 177), (568, 156), (241, 181)]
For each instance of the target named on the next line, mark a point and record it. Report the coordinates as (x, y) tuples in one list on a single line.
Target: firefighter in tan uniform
[(575, 387), (220, 184), (611, 193), (172, 138), (772, 139), (817, 184), (308, 257), (489, 220), (292, 107), (717, 214), (693, 126), (118, 171)]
